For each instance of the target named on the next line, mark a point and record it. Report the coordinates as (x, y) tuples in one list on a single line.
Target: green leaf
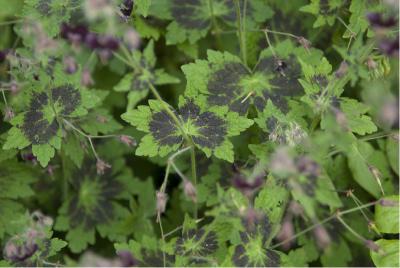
[(56, 245), (142, 7), (357, 121), (389, 255), (72, 147), (79, 239), (43, 153), (272, 200), (358, 156), (387, 215), (15, 180), (143, 77), (392, 153)]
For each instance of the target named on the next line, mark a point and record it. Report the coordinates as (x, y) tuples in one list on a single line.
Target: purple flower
[(3, 54), (390, 47), (376, 20), (74, 34)]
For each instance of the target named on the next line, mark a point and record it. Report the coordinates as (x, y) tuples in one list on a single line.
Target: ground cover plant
[(199, 133)]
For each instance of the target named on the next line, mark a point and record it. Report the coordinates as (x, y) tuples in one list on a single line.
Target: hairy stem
[(242, 37), (194, 175)]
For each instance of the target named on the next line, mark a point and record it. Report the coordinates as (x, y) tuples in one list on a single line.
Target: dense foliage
[(199, 133)]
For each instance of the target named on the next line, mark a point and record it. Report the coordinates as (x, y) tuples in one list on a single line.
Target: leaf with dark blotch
[(230, 83), (68, 98), (37, 129), (192, 19), (164, 130), (187, 13), (44, 7), (91, 203), (197, 242), (211, 129), (208, 130), (243, 257)]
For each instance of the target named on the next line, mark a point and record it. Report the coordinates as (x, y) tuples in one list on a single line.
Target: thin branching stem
[(312, 227), (89, 137), (269, 43)]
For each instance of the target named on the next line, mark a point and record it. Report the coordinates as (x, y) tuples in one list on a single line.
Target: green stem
[(242, 42), (351, 230), (269, 42), (163, 239), (214, 22), (4, 23), (194, 175)]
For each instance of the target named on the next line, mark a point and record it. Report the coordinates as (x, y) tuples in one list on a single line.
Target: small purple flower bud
[(390, 47), (343, 69), (304, 43), (372, 245), (91, 41), (189, 190), (308, 167), (127, 259), (8, 114), (161, 198), (108, 42), (376, 20), (102, 166), (286, 233), (322, 237), (371, 64), (101, 119), (3, 54), (132, 39), (14, 87), (127, 140), (70, 65), (388, 203), (86, 79)]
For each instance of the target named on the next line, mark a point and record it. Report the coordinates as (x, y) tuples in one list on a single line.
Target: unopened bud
[(132, 39), (102, 166), (127, 140), (8, 114), (14, 87), (388, 203), (341, 119), (304, 43), (371, 64), (343, 68), (101, 119), (162, 199), (322, 236), (190, 190), (86, 79), (70, 65), (286, 233), (377, 175), (372, 245)]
